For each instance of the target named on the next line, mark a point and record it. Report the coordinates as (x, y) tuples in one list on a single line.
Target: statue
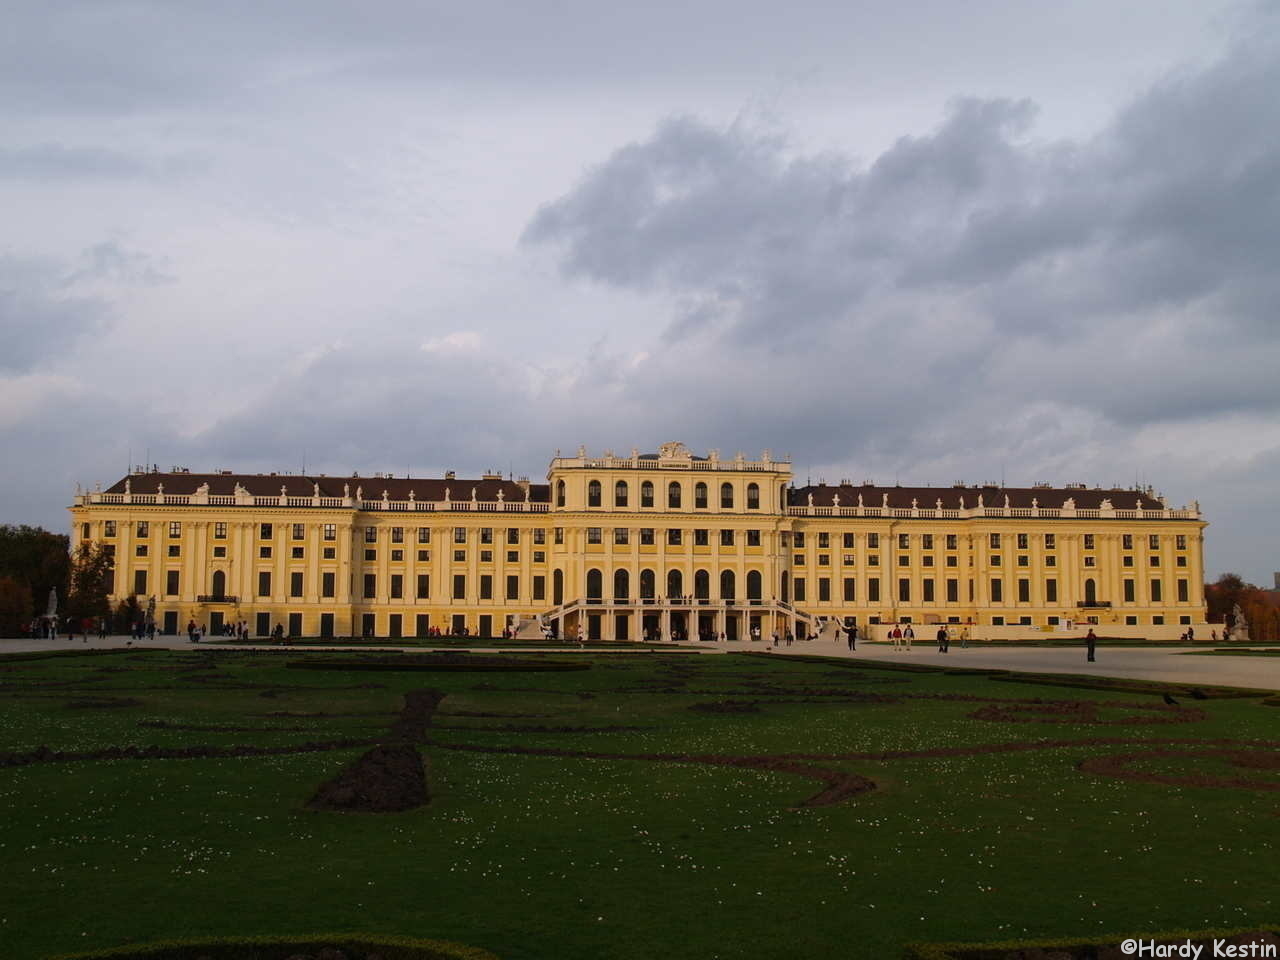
[(52, 610), (1006, 501), (1239, 626), (1106, 504), (885, 502), (315, 489), (835, 500), (346, 490), (811, 499), (980, 504), (360, 492), (501, 496)]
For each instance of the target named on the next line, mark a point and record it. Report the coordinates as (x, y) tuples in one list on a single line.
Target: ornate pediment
[(675, 450)]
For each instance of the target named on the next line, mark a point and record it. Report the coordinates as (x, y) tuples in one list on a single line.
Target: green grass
[(544, 856)]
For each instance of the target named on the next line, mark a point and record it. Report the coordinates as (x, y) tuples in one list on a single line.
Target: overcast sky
[(903, 241)]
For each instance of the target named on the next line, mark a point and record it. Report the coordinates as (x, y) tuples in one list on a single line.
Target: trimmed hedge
[(514, 666), (1074, 947), (57, 654), (357, 946), (1121, 685)]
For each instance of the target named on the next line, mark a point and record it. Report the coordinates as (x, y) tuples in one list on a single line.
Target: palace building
[(666, 545)]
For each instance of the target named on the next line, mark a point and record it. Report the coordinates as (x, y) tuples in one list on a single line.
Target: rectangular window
[(397, 534), (397, 556), (330, 531), (824, 559), (370, 534), (1129, 592), (673, 537), (295, 584), (1024, 560), (140, 581), (539, 587), (264, 583), (109, 528), (424, 586), (513, 556), (848, 541), (824, 541), (1180, 541), (171, 583), (397, 586), (424, 556), (997, 590), (995, 541), (904, 590), (486, 534), (539, 536), (370, 585), (824, 589), (873, 590), (952, 540), (264, 553), (140, 550), (1126, 541), (327, 584), (926, 587), (798, 560), (1157, 620), (459, 534), (753, 538), (850, 589), (1024, 591), (559, 534), (513, 536), (264, 531), (395, 626), (621, 536), (175, 528), (299, 531), (1157, 591), (1050, 541), (995, 560), (486, 586), (1153, 560), (1181, 561), (873, 559), (1153, 541), (953, 591), (513, 588), (298, 553), (1126, 561), (593, 534), (904, 541), (371, 555), (1051, 561), (798, 538), (1022, 541), (144, 529), (424, 534), (904, 560), (799, 585), (1182, 591), (219, 551), (726, 538), (486, 556), (1090, 561), (1088, 541), (850, 559), (701, 538), (175, 550), (459, 556), (646, 536)]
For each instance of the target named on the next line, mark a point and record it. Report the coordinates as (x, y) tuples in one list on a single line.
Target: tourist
[(278, 634), (896, 636), (790, 638), (907, 636), (942, 639), (775, 638), (1091, 644), (1191, 634), (191, 631), (964, 638), (853, 637)]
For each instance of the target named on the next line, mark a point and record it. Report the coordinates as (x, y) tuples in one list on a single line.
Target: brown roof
[(295, 485), (872, 496)]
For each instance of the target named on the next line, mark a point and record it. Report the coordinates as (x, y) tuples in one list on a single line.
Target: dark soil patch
[(46, 755), (411, 724), (726, 706), (1120, 766), (537, 728), (486, 713), (214, 728), (1086, 712), (387, 779), (103, 703)]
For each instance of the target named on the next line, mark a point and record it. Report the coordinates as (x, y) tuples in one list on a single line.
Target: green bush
[(356, 946)]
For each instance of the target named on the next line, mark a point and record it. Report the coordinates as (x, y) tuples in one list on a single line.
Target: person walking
[(942, 639), (964, 638), (191, 631), (853, 637), (1091, 644), (896, 636), (907, 636)]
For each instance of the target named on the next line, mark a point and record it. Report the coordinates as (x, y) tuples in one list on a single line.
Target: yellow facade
[(664, 544)]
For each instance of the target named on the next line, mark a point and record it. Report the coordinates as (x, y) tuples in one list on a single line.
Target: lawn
[(589, 814)]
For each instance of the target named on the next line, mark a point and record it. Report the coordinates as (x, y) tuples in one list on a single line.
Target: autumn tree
[(37, 559), (89, 582)]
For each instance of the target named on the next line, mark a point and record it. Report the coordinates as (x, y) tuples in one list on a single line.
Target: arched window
[(593, 493), (728, 585), (675, 584), (620, 493), (1090, 591), (701, 585), (753, 496), (621, 585), (219, 583), (647, 586), (646, 494), (786, 587), (755, 584), (673, 495), (700, 495), (559, 493), (557, 587), (726, 495), (595, 585)]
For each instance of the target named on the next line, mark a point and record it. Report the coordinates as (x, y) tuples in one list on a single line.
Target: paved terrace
[(1140, 663)]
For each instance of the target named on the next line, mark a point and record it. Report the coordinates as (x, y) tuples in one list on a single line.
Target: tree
[(37, 558), (15, 607), (89, 576), (1223, 594)]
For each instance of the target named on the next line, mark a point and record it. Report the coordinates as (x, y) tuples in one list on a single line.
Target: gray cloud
[(40, 321), (54, 161)]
